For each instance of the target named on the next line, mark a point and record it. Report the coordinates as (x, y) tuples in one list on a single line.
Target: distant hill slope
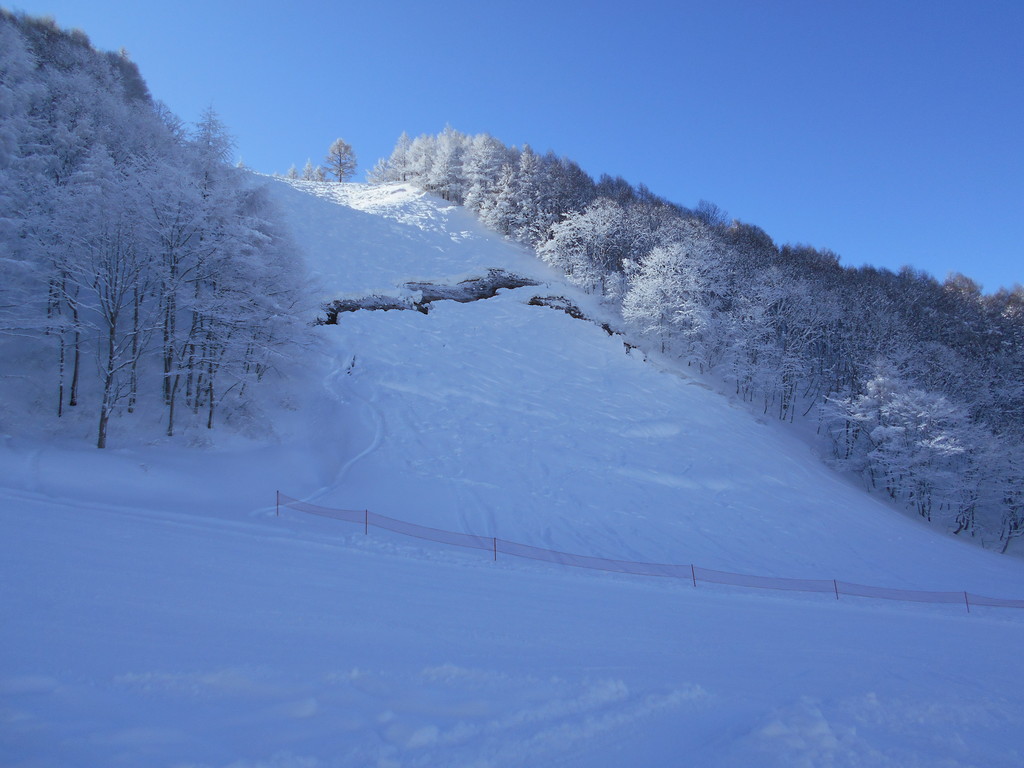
[(502, 418), (912, 383)]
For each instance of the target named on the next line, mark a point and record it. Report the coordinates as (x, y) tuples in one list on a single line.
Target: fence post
[(835, 586), (277, 498), (495, 549), (366, 522), (693, 574), (967, 602)]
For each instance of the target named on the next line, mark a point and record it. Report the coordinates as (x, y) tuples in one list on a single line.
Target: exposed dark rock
[(567, 306), (473, 289), (334, 308)]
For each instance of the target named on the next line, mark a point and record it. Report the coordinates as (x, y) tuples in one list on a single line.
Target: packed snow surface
[(156, 610)]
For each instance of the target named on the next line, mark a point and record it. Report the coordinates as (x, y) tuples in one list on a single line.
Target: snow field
[(155, 611), (245, 645), (522, 423)]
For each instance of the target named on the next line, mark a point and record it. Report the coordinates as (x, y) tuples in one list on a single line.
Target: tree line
[(915, 384), (137, 264), (339, 162)]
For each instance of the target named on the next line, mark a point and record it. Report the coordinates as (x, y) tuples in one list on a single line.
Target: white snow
[(155, 611)]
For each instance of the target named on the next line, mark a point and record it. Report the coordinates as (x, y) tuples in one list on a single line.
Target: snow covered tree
[(22, 213), (482, 166), (309, 172), (125, 239), (711, 214), (570, 188), (380, 173), (656, 292), (915, 445), (419, 159), (341, 160), (500, 210), (445, 177), (590, 245), (527, 225), (108, 264), (676, 294), (396, 167)]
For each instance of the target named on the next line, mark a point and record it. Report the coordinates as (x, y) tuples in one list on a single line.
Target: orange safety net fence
[(691, 573)]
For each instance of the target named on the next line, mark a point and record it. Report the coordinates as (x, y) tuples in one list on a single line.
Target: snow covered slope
[(157, 612)]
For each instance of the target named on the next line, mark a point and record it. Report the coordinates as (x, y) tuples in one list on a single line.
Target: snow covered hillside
[(156, 611)]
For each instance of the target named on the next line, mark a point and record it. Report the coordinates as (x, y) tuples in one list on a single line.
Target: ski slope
[(156, 611)]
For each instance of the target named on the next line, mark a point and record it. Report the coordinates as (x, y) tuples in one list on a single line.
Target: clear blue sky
[(891, 132)]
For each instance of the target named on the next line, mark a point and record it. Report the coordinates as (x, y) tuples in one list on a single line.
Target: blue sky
[(889, 132)]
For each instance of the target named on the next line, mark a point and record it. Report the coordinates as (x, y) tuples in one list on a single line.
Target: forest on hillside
[(917, 384), (140, 270)]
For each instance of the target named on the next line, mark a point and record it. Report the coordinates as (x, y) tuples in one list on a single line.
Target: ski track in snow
[(157, 612), (335, 383)]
